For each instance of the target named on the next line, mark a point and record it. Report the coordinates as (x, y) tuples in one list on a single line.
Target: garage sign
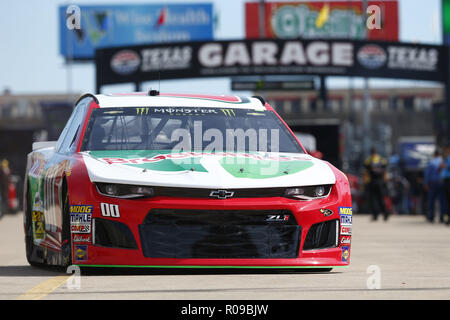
[(270, 57)]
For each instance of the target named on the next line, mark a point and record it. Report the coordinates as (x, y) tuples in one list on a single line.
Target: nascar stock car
[(172, 180)]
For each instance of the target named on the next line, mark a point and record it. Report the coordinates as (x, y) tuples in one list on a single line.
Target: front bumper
[(140, 253)]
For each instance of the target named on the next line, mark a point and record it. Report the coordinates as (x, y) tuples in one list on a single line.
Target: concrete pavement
[(405, 258)]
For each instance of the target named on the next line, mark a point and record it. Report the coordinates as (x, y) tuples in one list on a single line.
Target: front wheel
[(66, 241), (30, 248)]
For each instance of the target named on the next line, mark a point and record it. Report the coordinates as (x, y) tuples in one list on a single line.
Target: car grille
[(113, 234), (227, 234), (322, 235)]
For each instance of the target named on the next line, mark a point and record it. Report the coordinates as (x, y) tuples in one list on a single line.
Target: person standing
[(4, 189), (445, 176), (375, 166), (435, 188)]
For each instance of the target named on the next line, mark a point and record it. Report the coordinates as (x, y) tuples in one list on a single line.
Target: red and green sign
[(322, 19)]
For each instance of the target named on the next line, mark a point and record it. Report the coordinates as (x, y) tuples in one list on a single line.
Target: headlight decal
[(124, 191), (308, 192)]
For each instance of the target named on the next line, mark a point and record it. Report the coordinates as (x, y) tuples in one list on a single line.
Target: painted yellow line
[(44, 288)]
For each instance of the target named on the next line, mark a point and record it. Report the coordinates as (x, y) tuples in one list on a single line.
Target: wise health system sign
[(102, 26)]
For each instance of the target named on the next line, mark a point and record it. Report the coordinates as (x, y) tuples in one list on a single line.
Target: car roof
[(179, 100)]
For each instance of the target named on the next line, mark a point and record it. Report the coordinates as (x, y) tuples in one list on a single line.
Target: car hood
[(227, 170)]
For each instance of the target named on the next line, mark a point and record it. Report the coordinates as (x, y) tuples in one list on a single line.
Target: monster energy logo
[(228, 112)]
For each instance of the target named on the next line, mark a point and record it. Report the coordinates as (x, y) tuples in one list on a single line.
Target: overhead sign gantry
[(371, 59)]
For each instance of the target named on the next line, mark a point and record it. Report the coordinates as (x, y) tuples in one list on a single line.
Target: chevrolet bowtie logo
[(221, 194)]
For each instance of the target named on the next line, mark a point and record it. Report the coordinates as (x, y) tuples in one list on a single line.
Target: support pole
[(98, 85), (262, 19), (323, 91), (366, 107)]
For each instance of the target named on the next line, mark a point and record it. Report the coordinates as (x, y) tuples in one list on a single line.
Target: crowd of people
[(391, 192)]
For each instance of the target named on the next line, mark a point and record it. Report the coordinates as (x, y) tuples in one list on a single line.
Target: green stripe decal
[(173, 165), (252, 165), (262, 169)]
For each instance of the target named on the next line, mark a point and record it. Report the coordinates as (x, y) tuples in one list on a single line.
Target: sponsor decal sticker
[(81, 228), (326, 212), (80, 253), (413, 58), (345, 214), (228, 112), (81, 209), (345, 253), (182, 111), (125, 62), (166, 58), (372, 56), (81, 218), (110, 210), (346, 219), (82, 238), (345, 210), (38, 225), (221, 194), (239, 165), (346, 240), (346, 230), (185, 155), (277, 218)]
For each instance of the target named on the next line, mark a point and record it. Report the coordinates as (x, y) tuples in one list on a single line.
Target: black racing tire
[(66, 239), (314, 270), (30, 248)]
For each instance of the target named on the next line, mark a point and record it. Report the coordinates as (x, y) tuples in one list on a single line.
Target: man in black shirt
[(376, 188)]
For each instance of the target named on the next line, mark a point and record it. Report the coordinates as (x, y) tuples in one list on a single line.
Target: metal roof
[(178, 100)]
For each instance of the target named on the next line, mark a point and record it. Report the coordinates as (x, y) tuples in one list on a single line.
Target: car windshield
[(188, 129)]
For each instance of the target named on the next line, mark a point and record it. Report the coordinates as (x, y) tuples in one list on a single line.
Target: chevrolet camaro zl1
[(173, 180)]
